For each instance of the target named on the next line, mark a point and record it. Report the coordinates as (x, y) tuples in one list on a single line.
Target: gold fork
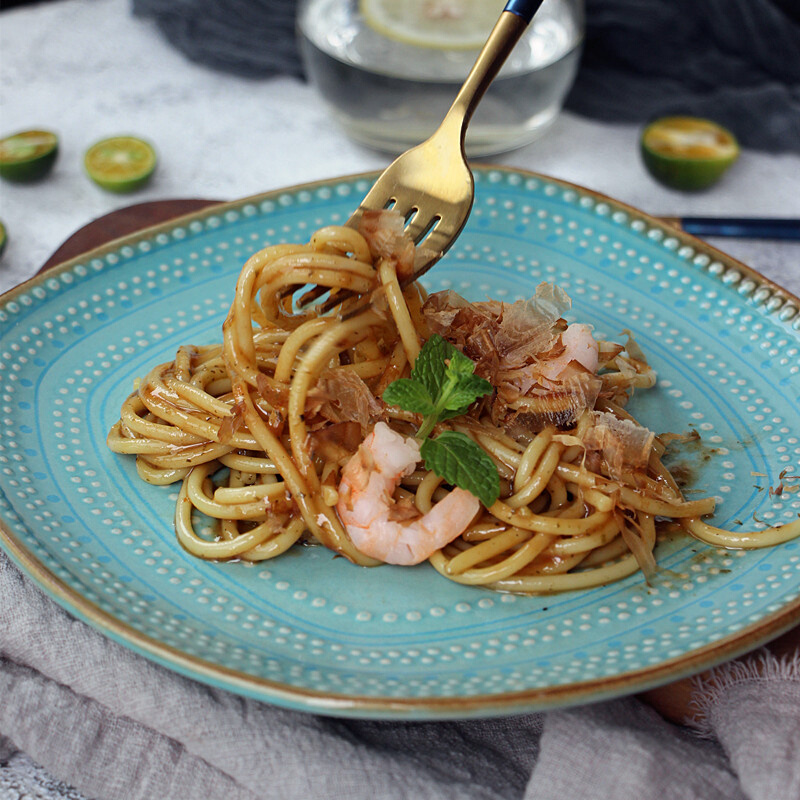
[(431, 184)]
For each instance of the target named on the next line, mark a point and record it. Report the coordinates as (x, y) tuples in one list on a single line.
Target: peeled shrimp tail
[(580, 348)]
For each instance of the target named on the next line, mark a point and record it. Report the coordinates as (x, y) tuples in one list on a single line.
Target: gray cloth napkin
[(118, 727), (251, 38)]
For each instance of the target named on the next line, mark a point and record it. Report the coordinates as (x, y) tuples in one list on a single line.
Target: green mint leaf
[(442, 385), (461, 462), (458, 363), (431, 364), (409, 395), (466, 391)]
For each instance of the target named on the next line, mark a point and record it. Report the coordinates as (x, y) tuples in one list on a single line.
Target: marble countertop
[(88, 69)]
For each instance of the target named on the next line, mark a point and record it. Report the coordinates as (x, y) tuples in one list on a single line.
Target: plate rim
[(747, 638)]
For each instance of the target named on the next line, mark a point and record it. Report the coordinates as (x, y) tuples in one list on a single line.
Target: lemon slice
[(121, 163), (443, 24), (686, 152), (3, 238), (28, 155)]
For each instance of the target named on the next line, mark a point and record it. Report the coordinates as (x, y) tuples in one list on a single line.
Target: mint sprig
[(442, 386)]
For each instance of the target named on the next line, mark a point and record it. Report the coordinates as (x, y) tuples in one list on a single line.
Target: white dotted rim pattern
[(303, 631)]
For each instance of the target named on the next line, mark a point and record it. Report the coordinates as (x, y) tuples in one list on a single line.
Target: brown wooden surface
[(122, 222)]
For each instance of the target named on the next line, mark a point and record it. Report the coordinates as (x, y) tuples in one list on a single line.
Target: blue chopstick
[(742, 227)]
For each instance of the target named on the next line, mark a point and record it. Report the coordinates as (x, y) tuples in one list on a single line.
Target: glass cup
[(391, 92)]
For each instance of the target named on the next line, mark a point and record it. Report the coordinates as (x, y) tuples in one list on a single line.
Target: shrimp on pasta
[(397, 533)]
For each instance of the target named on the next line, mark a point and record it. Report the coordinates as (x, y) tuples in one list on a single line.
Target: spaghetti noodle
[(260, 429)]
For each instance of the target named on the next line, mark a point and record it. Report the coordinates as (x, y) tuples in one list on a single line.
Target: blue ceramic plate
[(313, 632)]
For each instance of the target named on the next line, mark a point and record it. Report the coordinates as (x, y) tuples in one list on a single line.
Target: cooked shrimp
[(386, 530), (579, 346)]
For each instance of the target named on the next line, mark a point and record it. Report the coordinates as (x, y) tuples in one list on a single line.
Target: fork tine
[(421, 225), (441, 236), (334, 300), (406, 208), (311, 295), (287, 290)]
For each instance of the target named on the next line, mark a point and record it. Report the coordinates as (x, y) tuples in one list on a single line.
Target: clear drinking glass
[(390, 93)]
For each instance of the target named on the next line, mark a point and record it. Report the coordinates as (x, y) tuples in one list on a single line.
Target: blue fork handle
[(523, 8)]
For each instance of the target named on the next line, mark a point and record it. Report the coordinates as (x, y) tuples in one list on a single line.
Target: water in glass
[(392, 94)]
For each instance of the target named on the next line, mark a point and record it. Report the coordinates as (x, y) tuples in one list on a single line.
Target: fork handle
[(506, 33), (523, 8)]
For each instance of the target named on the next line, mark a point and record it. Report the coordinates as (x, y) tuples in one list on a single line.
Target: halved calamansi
[(121, 163), (687, 153), (27, 155)]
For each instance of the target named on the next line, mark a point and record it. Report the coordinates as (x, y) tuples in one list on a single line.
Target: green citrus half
[(121, 163), (27, 155), (686, 152), (443, 24)]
